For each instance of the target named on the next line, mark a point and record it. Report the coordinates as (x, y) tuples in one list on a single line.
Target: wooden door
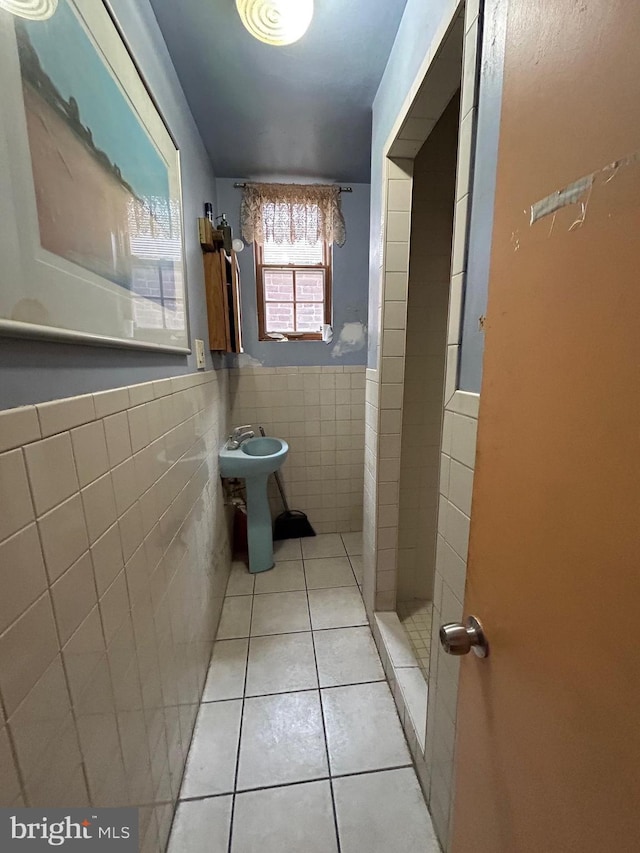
[(548, 744)]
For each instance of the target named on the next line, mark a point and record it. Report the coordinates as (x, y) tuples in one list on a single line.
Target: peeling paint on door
[(579, 192)]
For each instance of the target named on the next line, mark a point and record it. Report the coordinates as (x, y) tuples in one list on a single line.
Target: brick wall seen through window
[(293, 289)]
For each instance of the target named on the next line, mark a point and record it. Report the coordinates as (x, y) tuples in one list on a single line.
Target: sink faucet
[(240, 434)]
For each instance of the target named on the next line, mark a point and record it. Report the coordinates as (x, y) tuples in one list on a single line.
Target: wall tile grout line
[(103, 610), (73, 709), (14, 755), (177, 801), (56, 620), (61, 645), (323, 416)]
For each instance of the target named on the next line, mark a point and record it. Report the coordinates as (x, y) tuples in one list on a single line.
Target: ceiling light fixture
[(33, 10), (276, 22)]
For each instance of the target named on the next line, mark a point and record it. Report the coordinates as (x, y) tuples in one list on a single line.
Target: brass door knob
[(459, 639)]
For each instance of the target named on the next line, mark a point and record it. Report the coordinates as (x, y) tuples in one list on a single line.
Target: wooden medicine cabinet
[(222, 287)]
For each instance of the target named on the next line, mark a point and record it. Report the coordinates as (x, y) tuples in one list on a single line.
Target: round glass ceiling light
[(276, 22), (33, 10)]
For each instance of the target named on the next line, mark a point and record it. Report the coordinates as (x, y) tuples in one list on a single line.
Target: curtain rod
[(241, 186)]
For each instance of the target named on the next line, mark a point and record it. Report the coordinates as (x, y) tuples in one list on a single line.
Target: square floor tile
[(282, 740), (225, 679), (379, 812), (240, 580), (201, 826), (285, 820), (358, 568), (347, 656), (280, 613), (329, 572), (284, 577), (336, 608), (235, 619), (363, 729), (287, 549), (211, 764), (325, 545), (353, 543), (281, 664)]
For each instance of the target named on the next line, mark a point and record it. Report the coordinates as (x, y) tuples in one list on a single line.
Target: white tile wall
[(114, 558), (457, 445), (320, 411), (428, 297)]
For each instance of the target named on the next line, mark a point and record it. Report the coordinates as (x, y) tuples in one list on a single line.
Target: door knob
[(459, 639)]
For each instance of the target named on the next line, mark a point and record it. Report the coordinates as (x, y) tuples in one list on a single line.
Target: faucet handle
[(240, 429)]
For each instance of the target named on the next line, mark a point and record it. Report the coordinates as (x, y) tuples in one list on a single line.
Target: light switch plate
[(200, 362)]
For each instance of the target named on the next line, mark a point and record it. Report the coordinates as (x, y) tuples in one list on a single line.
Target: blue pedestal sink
[(253, 461)]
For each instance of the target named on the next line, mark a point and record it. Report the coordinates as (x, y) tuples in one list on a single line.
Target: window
[(294, 289), (293, 227)]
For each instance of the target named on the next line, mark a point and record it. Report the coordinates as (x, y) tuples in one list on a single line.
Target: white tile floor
[(298, 746)]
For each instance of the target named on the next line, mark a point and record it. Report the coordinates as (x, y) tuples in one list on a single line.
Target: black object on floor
[(292, 523)]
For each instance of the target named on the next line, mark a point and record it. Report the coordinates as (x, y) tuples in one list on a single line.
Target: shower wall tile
[(437, 438), (422, 406), (113, 569), (458, 447)]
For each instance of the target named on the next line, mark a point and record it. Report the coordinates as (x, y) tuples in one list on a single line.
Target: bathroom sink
[(254, 461), (264, 446), (255, 457)]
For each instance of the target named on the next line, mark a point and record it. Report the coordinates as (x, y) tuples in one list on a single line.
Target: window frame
[(261, 266)]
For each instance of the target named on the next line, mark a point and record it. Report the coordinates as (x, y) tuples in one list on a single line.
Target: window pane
[(301, 253), (279, 317), (286, 228), (309, 316), (310, 286), (278, 285)]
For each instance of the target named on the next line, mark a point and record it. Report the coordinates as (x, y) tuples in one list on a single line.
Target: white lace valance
[(292, 213)]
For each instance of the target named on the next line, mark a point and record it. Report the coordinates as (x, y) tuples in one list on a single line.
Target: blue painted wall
[(418, 26), (350, 283), (484, 187), (33, 371)]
